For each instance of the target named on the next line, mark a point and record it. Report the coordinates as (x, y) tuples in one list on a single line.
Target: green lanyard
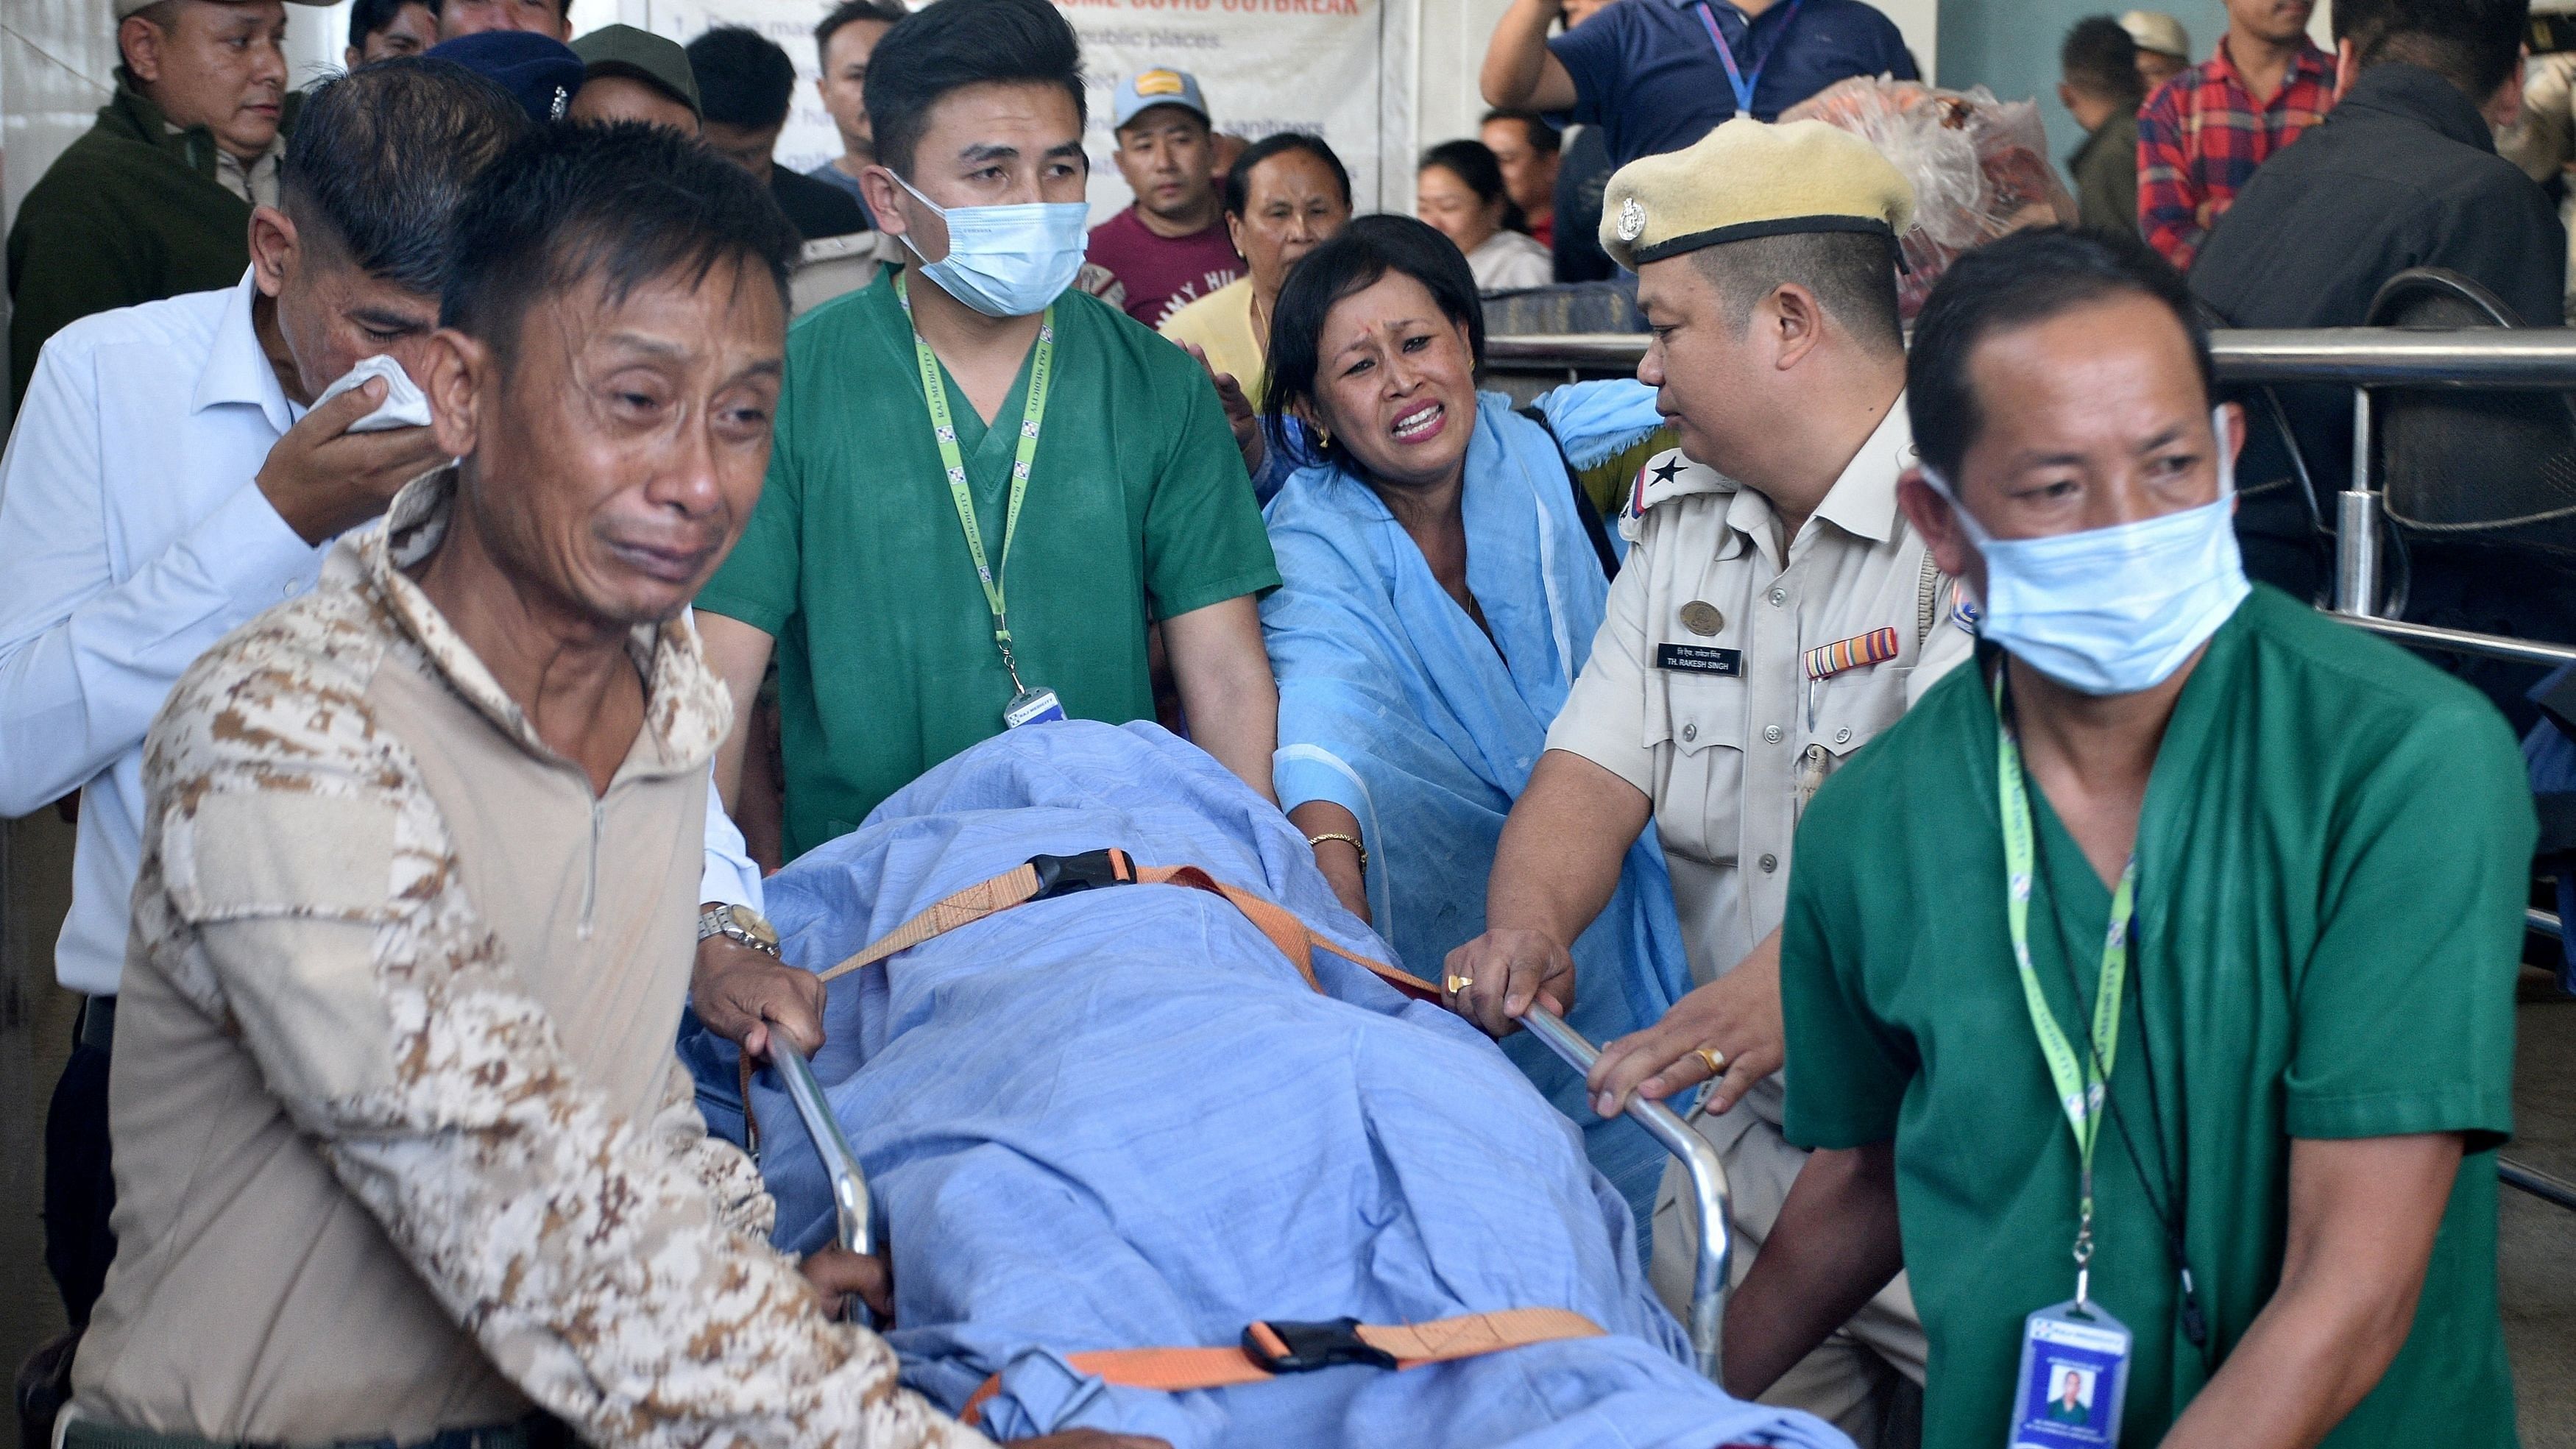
[(2080, 1093), (943, 426)]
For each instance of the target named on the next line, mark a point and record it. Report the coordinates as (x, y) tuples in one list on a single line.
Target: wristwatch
[(738, 923)]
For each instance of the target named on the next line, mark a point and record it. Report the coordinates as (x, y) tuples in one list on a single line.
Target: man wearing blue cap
[(540, 71), (1170, 248)]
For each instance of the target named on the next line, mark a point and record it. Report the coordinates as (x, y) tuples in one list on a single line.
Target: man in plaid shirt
[(2203, 132)]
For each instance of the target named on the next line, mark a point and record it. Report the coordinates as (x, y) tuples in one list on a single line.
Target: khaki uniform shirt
[(1713, 715), (402, 1143)]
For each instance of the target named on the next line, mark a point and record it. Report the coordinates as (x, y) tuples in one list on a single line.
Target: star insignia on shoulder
[(1671, 469)]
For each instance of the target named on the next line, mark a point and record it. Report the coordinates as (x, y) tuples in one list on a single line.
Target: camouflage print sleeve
[(742, 1203), (309, 893)]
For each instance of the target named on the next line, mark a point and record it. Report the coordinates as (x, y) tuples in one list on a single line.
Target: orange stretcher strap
[(1017, 886), (1054, 875), (1269, 1350)]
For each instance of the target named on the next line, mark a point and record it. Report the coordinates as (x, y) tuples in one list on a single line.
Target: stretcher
[(1270, 1348), (1145, 1154)]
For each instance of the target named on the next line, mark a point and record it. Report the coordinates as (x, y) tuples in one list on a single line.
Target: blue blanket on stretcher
[(1121, 1119)]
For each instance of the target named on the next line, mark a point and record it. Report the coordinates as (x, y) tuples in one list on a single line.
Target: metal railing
[(2361, 358), (2490, 357)]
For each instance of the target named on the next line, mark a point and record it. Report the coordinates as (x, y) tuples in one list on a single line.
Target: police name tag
[(1700, 659), (2074, 1375), (1032, 706)]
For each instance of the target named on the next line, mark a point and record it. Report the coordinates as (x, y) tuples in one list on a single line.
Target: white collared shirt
[(136, 537)]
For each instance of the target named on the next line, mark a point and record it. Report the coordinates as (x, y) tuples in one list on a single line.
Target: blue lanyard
[(1742, 83)]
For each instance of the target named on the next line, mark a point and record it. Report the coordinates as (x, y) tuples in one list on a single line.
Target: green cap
[(654, 59)]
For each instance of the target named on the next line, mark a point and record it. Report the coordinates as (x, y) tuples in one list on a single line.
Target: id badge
[(1032, 706), (2074, 1374)]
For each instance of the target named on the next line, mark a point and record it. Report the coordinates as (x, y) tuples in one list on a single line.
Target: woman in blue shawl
[(1441, 590)]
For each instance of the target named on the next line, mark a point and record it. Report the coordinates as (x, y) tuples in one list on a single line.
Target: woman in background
[(1441, 587), (1286, 195), (1459, 189)]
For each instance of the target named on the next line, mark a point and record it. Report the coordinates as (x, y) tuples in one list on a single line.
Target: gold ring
[(1712, 1059), (1457, 984)]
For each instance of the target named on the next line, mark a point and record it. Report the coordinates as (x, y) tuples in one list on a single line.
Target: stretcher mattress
[(1121, 1119)]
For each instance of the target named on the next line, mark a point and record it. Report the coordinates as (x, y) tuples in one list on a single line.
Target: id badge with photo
[(2074, 1375), (1032, 706)]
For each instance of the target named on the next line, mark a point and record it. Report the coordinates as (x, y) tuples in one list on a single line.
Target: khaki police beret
[(2154, 30), (1747, 179)]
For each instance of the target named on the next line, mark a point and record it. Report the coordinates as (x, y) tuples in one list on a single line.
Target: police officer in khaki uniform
[(1776, 612)]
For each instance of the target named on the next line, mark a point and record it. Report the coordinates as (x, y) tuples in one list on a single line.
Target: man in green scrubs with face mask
[(2301, 1044), (985, 483)]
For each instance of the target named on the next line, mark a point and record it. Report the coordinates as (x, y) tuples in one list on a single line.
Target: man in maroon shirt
[(1171, 247)]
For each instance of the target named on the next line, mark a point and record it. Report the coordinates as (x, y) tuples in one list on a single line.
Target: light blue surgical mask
[(2112, 610), (1007, 261)]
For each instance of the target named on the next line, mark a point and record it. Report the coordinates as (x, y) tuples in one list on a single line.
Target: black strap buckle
[(1296, 1348), (1062, 875)]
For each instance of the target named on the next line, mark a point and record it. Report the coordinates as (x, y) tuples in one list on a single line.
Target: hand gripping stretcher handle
[(857, 1231), (1708, 1188)]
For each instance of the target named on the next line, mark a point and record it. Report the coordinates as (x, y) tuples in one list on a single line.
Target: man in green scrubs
[(2321, 845), (984, 483), (1136, 504)]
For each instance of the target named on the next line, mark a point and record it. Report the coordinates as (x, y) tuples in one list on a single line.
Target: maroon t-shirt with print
[(1163, 274)]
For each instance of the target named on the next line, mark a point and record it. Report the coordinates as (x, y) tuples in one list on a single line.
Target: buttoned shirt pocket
[(1848, 717), (1699, 812)]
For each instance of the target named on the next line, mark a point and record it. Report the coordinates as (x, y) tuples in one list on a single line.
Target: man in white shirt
[(159, 490)]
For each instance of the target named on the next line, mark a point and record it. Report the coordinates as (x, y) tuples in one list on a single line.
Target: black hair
[(1238, 177), (1473, 163), (960, 43), (1355, 260), (2476, 45), (1543, 138), (2013, 282), (744, 78), (619, 205), (382, 157), (1853, 274), (366, 17), (851, 12), (2100, 58)]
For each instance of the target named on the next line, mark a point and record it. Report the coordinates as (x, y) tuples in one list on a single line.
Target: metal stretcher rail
[(856, 1226), (1715, 1206), (1709, 1195)]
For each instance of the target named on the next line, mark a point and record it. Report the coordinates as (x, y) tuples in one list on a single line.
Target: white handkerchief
[(404, 405)]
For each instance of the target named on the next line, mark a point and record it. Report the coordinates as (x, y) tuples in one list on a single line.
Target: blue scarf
[(1393, 705)]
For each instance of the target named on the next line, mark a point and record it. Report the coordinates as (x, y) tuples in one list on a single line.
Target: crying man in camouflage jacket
[(405, 1152)]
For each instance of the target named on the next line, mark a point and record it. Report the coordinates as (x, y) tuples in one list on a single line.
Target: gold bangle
[(1352, 841)]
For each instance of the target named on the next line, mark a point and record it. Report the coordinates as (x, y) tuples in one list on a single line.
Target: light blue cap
[(1160, 86)]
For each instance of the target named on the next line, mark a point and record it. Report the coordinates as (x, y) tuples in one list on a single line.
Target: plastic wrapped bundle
[(1979, 166)]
